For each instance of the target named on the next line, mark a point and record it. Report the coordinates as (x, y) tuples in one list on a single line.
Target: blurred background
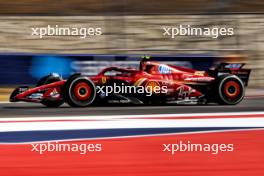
[(130, 29)]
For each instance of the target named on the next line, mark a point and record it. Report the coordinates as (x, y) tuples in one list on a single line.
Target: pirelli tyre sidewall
[(79, 91), (230, 90)]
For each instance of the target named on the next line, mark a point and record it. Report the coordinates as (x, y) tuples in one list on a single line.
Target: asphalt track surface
[(35, 110)]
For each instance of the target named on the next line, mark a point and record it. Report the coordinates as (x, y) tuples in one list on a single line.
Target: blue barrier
[(27, 69)]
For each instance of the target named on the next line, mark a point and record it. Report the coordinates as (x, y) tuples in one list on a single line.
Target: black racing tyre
[(230, 90), (48, 80), (79, 91)]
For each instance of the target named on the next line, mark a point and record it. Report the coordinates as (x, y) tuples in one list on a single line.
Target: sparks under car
[(224, 84)]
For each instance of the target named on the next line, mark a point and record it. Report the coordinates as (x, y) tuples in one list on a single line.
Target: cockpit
[(116, 71)]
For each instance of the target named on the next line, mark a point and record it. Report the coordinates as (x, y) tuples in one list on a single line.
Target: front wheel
[(51, 78), (230, 90), (79, 91)]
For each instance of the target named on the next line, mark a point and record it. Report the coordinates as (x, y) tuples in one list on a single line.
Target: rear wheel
[(54, 103), (230, 90), (79, 91)]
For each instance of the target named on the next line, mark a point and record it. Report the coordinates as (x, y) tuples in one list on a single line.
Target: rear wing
[(231, 68)]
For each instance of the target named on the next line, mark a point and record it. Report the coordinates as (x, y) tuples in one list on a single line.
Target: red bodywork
[(178, 81)]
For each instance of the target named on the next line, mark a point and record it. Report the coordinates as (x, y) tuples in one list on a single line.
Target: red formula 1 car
[(152, 83)]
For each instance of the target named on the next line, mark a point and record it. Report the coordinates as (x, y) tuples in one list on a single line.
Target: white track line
[(135, 123), (4, 102), (118, 117)]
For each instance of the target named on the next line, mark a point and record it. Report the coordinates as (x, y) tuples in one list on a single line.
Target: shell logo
[(151, 85), (103, 79)]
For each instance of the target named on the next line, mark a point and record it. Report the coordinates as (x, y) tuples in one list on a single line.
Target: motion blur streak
[(133, 7)]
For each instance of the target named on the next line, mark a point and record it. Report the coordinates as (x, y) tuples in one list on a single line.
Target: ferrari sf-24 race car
[(152, 83)]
